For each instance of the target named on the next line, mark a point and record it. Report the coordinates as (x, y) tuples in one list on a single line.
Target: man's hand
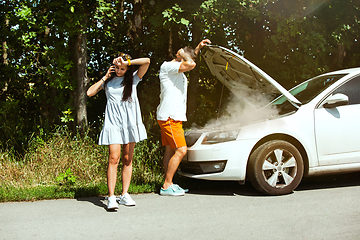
[(185, 55), (201, 45), (181, 52), (188, 63), (204, 43)]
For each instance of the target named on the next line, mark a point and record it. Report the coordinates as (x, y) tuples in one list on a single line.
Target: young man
[(171, 112)]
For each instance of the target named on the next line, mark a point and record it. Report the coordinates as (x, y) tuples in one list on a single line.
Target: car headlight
[(220, 136), (191, 138)]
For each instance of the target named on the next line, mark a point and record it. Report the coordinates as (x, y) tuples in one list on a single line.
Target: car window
[(293, 91), (351, 89), (316, 86), (307, 91)]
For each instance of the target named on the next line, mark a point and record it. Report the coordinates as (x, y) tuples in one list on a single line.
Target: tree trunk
[(5, 53), (82, 81), (136, 29), (341, 55), (194, 79)]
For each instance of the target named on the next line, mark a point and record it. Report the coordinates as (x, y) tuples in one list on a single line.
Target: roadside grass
[(67, 166)]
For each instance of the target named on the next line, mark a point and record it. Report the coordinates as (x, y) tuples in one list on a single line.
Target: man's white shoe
[(112, 204), (126, 200)]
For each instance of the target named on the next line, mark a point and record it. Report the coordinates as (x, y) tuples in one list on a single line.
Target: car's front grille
[(193, 168), (202, 167)]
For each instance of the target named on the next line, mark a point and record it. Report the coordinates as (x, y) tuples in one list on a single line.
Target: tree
[(52, 50), (79, 45)]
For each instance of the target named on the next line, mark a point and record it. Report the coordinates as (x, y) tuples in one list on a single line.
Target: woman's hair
[(128, 78)]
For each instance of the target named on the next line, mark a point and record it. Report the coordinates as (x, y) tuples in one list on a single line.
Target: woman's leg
[(127, 157), (114, 157)]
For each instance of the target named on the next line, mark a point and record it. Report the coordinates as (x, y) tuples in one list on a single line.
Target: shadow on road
[(232, 188), (207, 187), (97, 201), (330, 181), (226, 188)]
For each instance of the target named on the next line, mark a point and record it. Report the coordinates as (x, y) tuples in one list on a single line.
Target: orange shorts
[(172, 133)]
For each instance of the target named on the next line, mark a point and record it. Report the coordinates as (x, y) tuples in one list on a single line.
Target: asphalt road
[(321, 208)]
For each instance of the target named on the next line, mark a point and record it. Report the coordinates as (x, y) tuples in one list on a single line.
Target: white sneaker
[(126, 200), (112, 204)]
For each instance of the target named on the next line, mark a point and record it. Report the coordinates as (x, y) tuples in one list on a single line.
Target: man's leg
[(173, 164), (169, 152), (173, 138)]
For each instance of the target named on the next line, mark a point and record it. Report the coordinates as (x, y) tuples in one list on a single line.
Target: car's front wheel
[(276, 167)]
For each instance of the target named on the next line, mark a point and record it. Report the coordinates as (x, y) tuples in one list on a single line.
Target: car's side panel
[(337, 129), (341, 168), (338, 134), (298, 126)]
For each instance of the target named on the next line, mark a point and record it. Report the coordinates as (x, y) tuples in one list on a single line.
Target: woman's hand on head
[(120, 61)]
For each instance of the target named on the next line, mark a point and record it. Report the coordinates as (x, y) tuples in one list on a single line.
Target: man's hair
[(190, 51)]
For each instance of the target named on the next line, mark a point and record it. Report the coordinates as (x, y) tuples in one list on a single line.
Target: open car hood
[(240, 75)]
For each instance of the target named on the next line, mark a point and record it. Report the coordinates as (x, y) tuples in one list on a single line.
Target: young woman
[(123, 123)]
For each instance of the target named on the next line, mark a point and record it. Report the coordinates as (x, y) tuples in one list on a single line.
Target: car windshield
[(306, 91)]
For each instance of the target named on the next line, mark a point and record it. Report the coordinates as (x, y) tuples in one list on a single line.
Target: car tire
[(276, 167)]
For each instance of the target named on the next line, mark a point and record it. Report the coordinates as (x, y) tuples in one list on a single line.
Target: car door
[(337, 130)]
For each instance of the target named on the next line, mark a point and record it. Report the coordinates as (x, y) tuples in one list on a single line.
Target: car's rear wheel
[(276, 167)]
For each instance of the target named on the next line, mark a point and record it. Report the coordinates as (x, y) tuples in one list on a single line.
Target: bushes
[(62, 165)]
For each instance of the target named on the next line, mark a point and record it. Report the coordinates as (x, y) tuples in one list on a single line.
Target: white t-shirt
[(173, 93)]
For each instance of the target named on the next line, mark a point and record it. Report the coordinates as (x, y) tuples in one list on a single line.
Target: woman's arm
[(144, 65), (143, 62), (96, 87)]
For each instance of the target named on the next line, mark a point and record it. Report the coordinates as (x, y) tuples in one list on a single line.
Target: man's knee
[(182, 151)]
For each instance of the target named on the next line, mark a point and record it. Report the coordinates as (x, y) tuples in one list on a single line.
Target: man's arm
[(188, 64)]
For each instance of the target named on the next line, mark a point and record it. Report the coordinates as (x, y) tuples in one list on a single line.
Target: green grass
[(67, 166), (31, 193)]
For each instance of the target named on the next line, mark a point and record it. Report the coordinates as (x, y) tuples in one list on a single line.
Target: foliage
[(72, 166), (66, 178), (67, 116)]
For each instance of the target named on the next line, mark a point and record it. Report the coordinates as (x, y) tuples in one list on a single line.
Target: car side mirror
[(336, 100)]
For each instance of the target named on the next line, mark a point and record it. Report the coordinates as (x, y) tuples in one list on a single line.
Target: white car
[(316, 129)]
